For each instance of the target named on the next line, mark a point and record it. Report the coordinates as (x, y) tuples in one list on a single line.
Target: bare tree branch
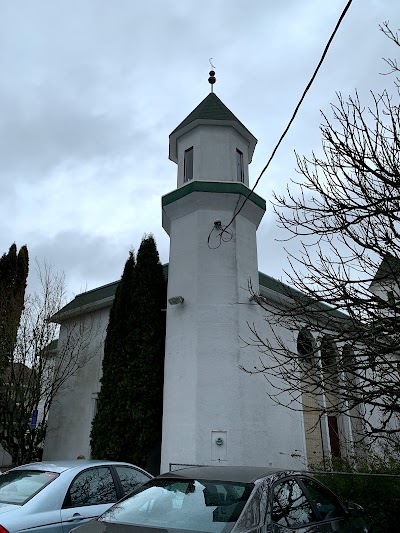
[(39, 368), (344, 211)]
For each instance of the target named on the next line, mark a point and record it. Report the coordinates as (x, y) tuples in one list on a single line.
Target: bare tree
[(38, 368), (343, 307)]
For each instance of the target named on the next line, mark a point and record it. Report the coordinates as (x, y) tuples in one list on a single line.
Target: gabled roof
[(388, 270), (210, 111)]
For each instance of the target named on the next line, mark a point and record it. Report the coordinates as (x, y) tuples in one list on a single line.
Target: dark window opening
[(239, 166), (334, 436), (188, 165), (305, 346)]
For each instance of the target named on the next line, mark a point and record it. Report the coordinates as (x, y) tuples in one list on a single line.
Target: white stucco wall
[(71, 414), (214, 153), (206, 395)]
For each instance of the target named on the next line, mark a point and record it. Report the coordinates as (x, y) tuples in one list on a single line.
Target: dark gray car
[(230, 499)]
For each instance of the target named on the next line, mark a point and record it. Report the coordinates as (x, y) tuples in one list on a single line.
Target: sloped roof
[(211, 111), (90, 297), (107, 292), (268, 282), (211, 108), (388, 269)]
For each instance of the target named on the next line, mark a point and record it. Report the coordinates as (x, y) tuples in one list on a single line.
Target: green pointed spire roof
[(210, 111), (211, 108)]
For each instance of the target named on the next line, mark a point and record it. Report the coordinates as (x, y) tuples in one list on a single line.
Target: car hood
[(110, 527), (5, 507)]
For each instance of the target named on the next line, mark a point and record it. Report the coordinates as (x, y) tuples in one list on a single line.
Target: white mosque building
[(214, 413)]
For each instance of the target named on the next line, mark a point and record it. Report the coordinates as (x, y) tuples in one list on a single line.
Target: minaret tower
[(209, 417)]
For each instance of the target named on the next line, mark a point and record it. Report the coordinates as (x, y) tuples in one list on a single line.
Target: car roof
[(62, 466), (242, 474)]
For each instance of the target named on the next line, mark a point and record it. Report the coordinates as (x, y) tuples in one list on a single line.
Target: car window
[(327, 503), (130, 478), (188, 504), (18, 486), (92, 487), (290, 506), (254, 514)]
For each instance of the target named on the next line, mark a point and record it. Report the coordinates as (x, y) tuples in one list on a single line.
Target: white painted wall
[(71, 414), (214, 153), (206, 395)]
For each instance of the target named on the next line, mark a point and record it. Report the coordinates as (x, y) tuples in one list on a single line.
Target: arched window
[(330, 371), (348, 362), (329, 357), (306, 349), (305, 346)]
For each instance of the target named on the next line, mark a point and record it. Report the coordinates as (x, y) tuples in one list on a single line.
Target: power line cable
[(295, 111)]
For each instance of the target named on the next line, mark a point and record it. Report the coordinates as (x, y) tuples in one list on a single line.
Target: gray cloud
[(90, 91)]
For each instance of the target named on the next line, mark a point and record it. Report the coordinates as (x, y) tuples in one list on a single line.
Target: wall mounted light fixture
[(175, 300)]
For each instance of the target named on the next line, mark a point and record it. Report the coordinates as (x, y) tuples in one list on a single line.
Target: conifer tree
[(127, 424), (146, 368), (108, 424), (13, 275)]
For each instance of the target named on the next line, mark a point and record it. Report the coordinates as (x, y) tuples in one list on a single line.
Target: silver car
[(54, 497)]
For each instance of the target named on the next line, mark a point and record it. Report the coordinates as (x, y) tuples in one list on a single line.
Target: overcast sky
[(91, 89)]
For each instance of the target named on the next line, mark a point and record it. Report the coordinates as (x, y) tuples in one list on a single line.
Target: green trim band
[(213, 187)]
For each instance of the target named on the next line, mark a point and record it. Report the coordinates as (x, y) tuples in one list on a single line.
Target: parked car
[(53, 497), (223, 499)]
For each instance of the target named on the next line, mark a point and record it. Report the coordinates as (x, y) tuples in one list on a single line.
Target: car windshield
[(18, 486), (193, 505)]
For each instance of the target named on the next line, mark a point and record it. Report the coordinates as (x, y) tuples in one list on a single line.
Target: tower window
[(188, 165), (239, 166)]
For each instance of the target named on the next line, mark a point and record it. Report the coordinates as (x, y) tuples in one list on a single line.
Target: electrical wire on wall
[(223, 235), (221, 231)]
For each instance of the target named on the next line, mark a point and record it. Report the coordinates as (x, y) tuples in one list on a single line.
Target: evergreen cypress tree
[(127, 425), (13, 278), (146, 367), (107, 441)]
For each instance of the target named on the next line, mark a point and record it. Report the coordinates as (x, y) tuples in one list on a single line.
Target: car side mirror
[(354, 510)]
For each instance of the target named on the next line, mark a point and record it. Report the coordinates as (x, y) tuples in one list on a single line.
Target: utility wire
[(295, 111)]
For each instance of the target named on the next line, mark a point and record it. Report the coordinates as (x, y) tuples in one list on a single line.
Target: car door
[(90, 494)]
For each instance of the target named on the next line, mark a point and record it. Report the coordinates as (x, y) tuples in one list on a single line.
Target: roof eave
[(62, 316)]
